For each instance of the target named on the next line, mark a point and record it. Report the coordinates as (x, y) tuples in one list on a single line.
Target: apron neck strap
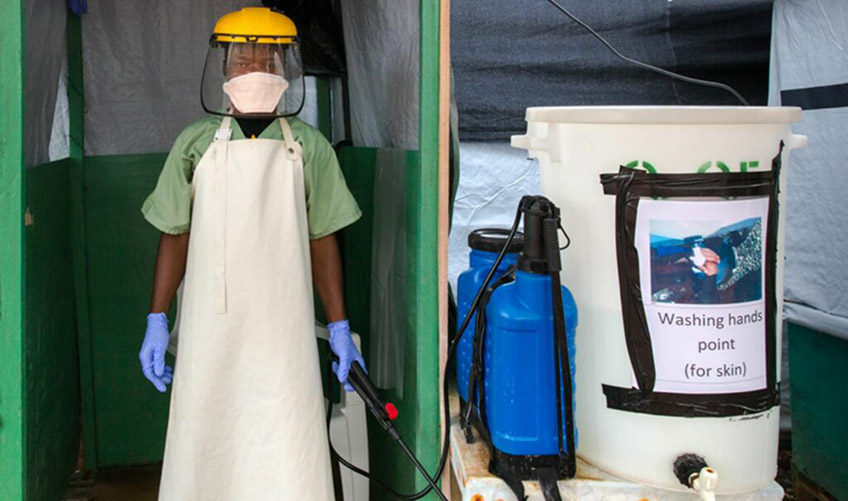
[(292, 147), (224, 131)]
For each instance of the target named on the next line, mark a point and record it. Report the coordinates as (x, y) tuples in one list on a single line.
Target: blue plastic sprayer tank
[(519, 365), (485, 244)]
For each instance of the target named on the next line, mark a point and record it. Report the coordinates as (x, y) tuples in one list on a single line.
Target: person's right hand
[(152, 354)]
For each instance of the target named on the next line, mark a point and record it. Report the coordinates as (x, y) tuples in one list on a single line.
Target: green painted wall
[(358, 166), (12, 429), (130, 415), (52, 375), (818, 368)]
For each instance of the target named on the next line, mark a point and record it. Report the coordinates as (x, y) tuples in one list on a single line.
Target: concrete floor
[(138, 483)]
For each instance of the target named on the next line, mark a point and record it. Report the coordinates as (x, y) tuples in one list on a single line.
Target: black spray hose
[(526, 200), (384, 413), (563, 382)]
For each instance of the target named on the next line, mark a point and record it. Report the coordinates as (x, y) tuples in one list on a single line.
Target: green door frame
[(12, 287), (423, 196)]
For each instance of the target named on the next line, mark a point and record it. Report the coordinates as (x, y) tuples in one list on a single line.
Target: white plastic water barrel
[(574, 145)]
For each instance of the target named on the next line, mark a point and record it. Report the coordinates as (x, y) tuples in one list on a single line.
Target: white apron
[(247, 411)]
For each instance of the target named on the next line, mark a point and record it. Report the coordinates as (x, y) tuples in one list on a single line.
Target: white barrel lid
[(665, 114)]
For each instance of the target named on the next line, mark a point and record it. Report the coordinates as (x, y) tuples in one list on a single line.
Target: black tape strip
[(771, 278), (638, 183), (636, 331), (683, 405), (816, 98), (628, 186)]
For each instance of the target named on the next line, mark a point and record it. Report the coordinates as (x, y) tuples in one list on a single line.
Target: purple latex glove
[(343, 347), (152, 354)]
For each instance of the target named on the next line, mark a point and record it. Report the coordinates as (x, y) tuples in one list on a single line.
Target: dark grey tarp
[(509, 55)]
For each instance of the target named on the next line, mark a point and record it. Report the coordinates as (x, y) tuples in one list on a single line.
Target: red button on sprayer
[(391, 411)]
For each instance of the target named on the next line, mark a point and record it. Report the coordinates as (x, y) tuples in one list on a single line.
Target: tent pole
[(76, 132)]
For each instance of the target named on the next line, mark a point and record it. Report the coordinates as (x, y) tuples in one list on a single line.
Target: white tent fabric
[(809, 57), (381, 46), (45, 56)]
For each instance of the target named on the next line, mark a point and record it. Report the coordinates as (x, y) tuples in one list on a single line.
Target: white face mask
[(256, 92)]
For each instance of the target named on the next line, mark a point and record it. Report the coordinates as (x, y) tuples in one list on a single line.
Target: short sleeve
[(168, 207), (330, 205)]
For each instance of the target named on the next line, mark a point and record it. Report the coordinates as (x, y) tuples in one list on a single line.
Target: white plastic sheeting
[(809, 51), (381, 47), (309, 112), (388, 271), (382, 52), (493, 178), (45, 56)]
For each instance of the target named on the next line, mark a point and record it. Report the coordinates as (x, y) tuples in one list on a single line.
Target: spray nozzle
[(542, 223)]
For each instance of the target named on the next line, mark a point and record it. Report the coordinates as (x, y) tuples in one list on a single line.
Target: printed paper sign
[(703, 282)]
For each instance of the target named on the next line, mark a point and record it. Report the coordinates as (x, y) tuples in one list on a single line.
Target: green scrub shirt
[(329, 204)]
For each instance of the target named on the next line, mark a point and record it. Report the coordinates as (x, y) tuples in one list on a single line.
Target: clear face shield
[(253, 79)]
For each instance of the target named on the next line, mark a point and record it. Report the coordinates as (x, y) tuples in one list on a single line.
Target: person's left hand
[(343, 347)]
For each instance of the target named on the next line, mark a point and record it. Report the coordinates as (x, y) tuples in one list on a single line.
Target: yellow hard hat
[(255, 25)]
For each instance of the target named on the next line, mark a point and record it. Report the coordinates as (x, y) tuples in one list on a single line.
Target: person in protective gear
[(248, 202)]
